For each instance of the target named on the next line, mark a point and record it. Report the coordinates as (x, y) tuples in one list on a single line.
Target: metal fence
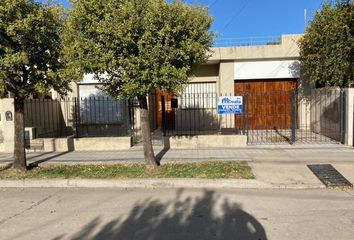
[(267, 118), (197, 114), (321, 116), (51, 118), (271, 117), (249, 41), (81, 117)]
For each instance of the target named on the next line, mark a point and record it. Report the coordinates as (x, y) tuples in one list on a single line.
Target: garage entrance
[(268, 102), (275, 113)]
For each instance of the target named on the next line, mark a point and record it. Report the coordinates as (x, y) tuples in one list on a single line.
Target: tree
[(30, 58), (327, 47), (135, 46)]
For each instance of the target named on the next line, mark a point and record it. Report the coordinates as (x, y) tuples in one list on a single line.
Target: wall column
[(226, 88), (349, 115), (226, 75), (7, 125)]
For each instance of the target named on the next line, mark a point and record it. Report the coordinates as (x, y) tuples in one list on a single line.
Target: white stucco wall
[(266, 69), (89, 78)]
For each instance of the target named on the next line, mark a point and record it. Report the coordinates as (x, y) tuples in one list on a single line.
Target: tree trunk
[(19, 151), (146, 134)]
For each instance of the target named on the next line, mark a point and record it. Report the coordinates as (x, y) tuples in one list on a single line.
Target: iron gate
[(292, 117), (279, 117)]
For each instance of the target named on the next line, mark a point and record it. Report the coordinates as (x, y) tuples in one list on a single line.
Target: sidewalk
[(281, 166)]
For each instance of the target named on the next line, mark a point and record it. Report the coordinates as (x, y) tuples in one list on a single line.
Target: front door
[(170, 113)]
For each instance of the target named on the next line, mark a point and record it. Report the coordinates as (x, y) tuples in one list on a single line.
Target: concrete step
[(156, 138), (35, 145)]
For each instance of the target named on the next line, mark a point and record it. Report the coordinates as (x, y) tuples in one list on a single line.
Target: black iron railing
[(197, 114), (93, 116), (267, 117)]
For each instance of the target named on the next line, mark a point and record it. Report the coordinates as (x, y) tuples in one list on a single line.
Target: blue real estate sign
[(230, 105)]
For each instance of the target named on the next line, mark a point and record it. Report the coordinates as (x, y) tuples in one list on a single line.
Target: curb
[(152, 183), (132, 160)]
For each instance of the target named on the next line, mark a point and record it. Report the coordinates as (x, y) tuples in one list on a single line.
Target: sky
[(256, 18)]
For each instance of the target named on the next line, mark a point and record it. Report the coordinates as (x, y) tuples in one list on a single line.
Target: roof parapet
[(286, 48), (249, 41)]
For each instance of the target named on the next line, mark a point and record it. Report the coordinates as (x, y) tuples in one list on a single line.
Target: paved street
[(104, 214)]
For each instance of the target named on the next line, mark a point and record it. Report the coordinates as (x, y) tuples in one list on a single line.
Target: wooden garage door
[(268, 103)]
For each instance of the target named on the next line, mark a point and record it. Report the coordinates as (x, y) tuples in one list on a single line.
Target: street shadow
[(206, 217), (161, 154), (38, 155), (282, 136), (35, 163), (5, 167)]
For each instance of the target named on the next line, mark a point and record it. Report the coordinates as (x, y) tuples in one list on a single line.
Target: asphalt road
[(166, 214)]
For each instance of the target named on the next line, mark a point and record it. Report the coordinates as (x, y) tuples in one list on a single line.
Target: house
[(234, 70), (246, 70)]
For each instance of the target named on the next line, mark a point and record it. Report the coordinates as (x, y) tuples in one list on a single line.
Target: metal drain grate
[(329, 176)]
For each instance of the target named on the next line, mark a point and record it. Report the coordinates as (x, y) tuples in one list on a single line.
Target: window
[(96, 108), (199, 95)]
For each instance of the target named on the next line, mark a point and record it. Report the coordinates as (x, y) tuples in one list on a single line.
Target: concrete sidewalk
[(281, 166), (135, 155)]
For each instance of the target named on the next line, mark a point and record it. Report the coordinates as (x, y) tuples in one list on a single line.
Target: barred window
[(199, 95), (96, 108)]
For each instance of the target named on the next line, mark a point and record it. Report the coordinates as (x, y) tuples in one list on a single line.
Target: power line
[(213, 3), (236, 14)]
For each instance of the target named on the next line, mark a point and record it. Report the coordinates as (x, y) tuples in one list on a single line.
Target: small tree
[(135, 46), (29, 58), (327, 48)]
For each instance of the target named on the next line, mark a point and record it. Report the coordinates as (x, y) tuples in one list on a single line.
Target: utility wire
[(213, 3), (236, 14)]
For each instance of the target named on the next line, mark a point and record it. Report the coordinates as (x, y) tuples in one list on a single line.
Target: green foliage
[(327, 48), (30, 48), (236, 170), (134, 46)]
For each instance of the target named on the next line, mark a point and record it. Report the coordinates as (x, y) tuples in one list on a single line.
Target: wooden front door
[(170, 113), (268, 103)]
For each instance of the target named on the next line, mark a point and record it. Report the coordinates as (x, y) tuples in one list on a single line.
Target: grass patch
[(212, 170)]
